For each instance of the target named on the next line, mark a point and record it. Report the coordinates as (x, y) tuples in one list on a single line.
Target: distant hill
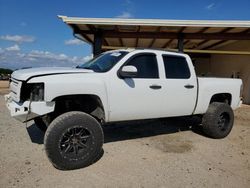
[(5, 71)]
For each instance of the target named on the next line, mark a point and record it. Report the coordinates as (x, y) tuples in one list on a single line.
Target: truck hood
[(25, 74)]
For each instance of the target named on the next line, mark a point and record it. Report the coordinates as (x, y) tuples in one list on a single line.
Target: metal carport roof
[(111, 33)]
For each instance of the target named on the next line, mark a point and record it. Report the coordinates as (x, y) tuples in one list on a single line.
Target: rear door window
[(176, 67)]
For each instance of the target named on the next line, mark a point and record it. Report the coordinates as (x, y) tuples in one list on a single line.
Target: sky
[(31, 34)]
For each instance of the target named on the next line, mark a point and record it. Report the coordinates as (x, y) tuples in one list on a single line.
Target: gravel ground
[(4, 84), (159, 153), (4, 87)]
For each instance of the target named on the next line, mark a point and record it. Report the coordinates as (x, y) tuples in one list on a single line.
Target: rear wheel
[(218, 120), (73, 140)]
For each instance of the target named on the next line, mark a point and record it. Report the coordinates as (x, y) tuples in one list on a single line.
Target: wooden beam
[(215, 44), (218, 52), (167, 43), (153, 40), (185, 42), (91, 27), (87, 38), (170, 41), (120, 39), (201, 43), (201, 31), (165, 35), (181, 29), (221, 32), (170, 35), (121, 42), (191, 51), (76, 30), (137, 39), (222, 41), (246, 31), (136, 42), (199, 55), (226, 30), (95, 30)]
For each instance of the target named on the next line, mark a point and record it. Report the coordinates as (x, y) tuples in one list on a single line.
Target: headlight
[(37, 92), (33, 91)]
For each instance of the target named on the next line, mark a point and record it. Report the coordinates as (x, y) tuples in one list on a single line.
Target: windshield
[(103, 62)]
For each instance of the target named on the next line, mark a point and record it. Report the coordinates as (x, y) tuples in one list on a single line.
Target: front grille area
[(15, 88)]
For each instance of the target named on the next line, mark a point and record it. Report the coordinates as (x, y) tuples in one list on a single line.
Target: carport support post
[(97, 45), (180, 43)]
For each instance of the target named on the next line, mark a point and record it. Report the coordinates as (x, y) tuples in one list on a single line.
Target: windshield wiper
[(79, 67), (87, 68)]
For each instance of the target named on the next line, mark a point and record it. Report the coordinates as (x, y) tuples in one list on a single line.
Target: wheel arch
[(221, 97), (88, 103), (205, 99)]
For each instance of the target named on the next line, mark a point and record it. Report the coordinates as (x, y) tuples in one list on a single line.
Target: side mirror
[(128, 71)]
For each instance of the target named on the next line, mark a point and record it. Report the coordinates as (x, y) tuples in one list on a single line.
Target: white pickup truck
[(72, 104)]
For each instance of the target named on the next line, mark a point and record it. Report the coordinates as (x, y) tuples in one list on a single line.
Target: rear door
[(179, 86)]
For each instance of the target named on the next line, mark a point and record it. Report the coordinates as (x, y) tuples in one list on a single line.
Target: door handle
[(189, 86), (155, 87)]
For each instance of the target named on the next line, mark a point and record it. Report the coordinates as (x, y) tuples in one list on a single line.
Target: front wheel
[(73, 140), (218, 120)]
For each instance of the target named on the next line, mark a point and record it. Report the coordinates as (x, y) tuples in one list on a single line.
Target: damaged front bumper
[(28, 110)]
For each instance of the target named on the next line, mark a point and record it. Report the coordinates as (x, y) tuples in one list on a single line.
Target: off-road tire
[(57, 136), (40, 124), (218, 120)]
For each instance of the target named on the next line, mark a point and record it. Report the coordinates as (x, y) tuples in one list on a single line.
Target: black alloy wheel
[(75, 142)]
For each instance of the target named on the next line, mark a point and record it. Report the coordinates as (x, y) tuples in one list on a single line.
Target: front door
[(139, 97)]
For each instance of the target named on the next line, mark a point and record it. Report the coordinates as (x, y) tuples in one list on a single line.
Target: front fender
[(74, 84)]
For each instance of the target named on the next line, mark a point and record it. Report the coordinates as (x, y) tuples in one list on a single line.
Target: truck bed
[(209, 86)]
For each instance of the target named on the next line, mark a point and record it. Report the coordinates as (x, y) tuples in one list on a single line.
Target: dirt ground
[(159, 153), (4, 87)]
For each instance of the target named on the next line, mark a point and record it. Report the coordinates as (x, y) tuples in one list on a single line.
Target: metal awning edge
[(155, 22)]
